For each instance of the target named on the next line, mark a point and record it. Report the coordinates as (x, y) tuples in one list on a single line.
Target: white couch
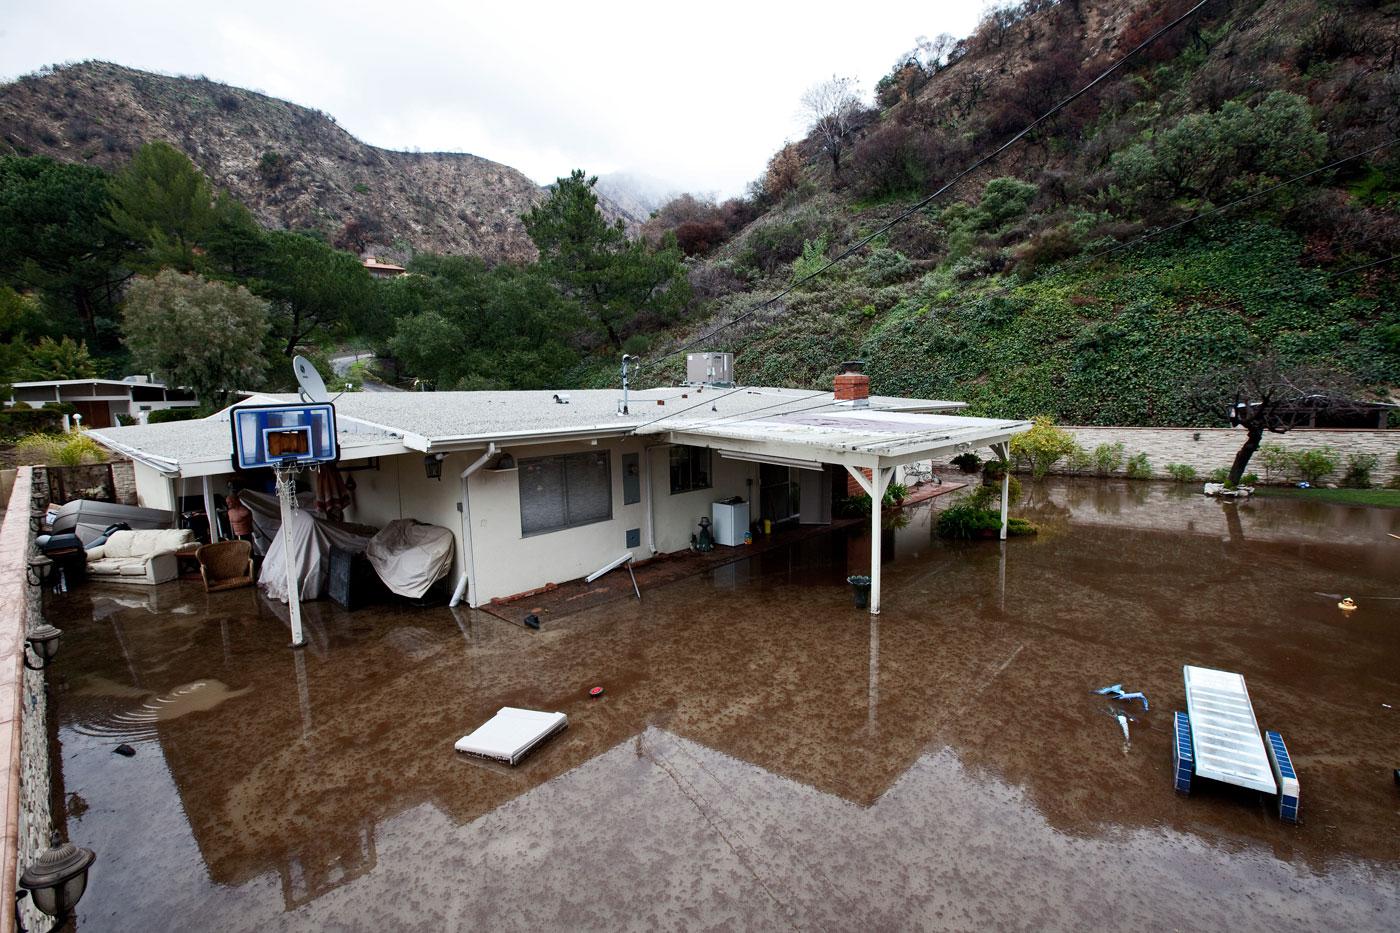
[(145, 557)]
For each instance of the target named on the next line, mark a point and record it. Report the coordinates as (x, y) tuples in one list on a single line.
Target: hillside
[(1003, 292), (293, 166)]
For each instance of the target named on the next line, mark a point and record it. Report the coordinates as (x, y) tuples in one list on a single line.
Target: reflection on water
[(765, 755)]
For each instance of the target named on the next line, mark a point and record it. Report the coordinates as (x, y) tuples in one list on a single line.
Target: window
[(565, 491), (690, 468)]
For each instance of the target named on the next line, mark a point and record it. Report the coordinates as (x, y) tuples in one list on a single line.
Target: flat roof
[(811, 423), (434, 421), (204, 446)]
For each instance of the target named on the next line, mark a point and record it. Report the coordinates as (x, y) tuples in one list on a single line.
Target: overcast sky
[(696, 94)]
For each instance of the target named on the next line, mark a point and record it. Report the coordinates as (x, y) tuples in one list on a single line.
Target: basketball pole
[(286, 488)]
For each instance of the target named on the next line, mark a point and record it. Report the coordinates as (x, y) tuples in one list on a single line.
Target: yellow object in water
[(1347, 604)]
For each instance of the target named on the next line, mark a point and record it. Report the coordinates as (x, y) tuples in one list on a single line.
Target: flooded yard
[(765, 756)]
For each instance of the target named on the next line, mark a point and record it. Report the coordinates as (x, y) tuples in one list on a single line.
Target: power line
[(910, 212), (699, 404)]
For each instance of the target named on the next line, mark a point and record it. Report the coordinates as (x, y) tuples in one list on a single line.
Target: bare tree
[(1265, 395), (832, 108)]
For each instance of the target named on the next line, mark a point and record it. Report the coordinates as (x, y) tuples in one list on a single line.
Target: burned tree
[(1266, 396), (833, 107)]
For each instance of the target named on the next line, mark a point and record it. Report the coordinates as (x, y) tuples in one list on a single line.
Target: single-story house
[(541, 487), (100, 401)]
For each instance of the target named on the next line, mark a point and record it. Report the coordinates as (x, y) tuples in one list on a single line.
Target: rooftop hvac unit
[(716, 369)]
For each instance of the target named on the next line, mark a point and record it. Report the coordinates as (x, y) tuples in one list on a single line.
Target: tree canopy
[(164, 205), (195, 332), (617, 283), (54, 241), (464, 326)]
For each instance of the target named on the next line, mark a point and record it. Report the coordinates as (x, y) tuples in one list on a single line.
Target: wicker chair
[(225, 565)]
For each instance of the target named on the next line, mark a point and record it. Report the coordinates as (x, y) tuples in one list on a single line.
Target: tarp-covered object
[(312, 538), (410, 557), (311, 549)]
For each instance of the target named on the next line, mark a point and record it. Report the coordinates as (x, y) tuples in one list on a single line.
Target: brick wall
[(124, 479)]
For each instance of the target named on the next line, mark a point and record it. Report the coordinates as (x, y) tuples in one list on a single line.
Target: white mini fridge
[(730, 521)]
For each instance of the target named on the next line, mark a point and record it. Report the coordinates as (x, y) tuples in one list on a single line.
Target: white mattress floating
[(1224, 733), (510, 734)]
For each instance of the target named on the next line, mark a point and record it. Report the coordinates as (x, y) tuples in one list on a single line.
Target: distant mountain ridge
[(293, 166)]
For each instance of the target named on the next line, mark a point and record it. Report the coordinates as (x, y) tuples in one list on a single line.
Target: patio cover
[(857, 438)]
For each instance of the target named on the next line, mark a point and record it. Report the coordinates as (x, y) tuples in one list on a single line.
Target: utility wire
[(699, 404), (925, 202)]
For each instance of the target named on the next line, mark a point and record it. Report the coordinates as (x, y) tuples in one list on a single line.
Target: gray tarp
[(312, 539), (410, 557)]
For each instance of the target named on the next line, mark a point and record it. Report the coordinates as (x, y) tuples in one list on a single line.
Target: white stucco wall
[(152, 489), (508, 562)]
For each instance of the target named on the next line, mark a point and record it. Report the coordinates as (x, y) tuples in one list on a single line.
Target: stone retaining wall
[(1208, 449), (24, 740)]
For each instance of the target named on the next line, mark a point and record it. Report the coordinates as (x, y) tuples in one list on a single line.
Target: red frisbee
[(595, 692)]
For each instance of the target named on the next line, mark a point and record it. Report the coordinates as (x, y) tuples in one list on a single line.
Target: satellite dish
[(313, 388)]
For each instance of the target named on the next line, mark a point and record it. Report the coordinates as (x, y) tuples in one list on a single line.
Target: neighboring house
[(100, 401), (383, 270), (542, 488)]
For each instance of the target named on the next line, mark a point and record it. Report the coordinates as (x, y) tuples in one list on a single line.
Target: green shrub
[(853, 507), (1108, 458), (811, 261), (966, 520), (1017, 527), (1138, 467), (1181, 472), (166, 415), (1042, 446), (1359, 467), (1276, 460), (967, 462), (886, 266), (1079, 460), (895, 493), (22, 420), (1315, 463), (1219, 475), (58, 450), (1249, 479)]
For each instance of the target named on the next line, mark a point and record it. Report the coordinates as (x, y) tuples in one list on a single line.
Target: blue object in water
[(1183, 757), (1134, 696), (1287, 778)]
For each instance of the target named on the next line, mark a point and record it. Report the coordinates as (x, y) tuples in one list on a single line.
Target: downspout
[(467, 584)]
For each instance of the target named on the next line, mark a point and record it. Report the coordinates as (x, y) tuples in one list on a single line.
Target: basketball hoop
[(285, 439)]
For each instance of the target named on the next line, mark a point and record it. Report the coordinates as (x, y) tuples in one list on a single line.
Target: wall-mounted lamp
[(57, 879), (43, 641), (432, 465)]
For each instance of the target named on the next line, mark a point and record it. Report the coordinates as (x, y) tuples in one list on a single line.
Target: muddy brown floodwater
[(765, 756)]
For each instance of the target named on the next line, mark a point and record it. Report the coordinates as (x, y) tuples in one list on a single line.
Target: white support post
[(1002, 451), (286, 489), (211, 511), (879, 482)]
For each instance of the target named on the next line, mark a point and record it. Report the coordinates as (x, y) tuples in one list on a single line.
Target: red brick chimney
[(852, 385)]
